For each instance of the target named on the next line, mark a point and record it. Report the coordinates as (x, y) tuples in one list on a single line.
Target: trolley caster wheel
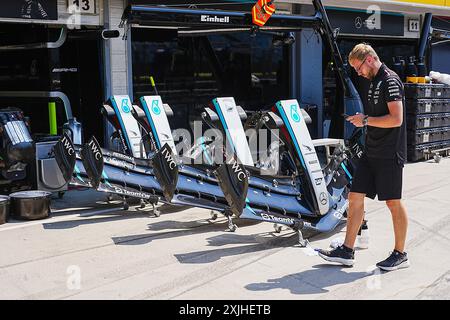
[(61, 194), (437, 158), (277, 228), (155, 211), (142, 204), (231, 226), (109, 198), (303, 243), (213, 215), (126, 206)]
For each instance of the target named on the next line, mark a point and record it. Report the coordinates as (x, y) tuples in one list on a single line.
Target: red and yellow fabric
[(262, 11)]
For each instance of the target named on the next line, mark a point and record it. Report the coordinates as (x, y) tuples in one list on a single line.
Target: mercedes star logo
[(358, 23)]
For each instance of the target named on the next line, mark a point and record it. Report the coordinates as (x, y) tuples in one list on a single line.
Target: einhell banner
[(29, 9), (231, 5)]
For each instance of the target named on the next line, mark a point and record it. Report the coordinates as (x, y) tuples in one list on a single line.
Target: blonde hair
[(361, 51)]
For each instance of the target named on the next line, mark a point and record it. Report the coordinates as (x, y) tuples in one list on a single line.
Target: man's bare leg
[(398, 259), (345, 254), (400, 222), (355, 217)]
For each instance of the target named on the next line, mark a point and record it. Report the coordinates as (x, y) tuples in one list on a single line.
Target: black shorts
[(382, 177)]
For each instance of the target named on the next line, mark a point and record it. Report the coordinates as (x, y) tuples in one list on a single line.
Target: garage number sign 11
[(83, 6)]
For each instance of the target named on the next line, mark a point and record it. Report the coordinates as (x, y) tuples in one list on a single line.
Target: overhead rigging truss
[(219, 20)]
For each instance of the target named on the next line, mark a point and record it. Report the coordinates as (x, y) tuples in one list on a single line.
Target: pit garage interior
[(44, 60)]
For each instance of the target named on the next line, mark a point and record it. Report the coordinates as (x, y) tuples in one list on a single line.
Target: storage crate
[(418, 152), (446, 105), (420, 106), (431, 120), (425, 90), (446, 92), (428, 135)]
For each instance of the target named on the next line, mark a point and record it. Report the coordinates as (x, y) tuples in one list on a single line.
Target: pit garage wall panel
[(117, 61), (440, 60), (440, 50), (118, 49), (307, 75)]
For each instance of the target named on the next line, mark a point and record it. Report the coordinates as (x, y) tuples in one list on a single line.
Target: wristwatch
[(365, 121)]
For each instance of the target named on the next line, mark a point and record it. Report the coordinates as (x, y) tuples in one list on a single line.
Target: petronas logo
[(125, 106), (155, 107), (294, 113)]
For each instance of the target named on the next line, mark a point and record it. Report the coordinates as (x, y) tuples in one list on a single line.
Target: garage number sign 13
[(83, 6)]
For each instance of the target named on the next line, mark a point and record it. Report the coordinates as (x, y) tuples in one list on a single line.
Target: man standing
[(380, 170), (32, 9)]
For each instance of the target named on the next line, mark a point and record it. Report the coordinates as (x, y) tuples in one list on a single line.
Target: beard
[(370, 74)]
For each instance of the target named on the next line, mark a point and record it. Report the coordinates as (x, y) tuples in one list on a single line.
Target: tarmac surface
[(115, 254)]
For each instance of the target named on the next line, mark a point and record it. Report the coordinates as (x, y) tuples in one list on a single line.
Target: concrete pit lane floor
[(98, 251)]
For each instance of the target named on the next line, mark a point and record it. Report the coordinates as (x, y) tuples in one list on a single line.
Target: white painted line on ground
[(84, 214)]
